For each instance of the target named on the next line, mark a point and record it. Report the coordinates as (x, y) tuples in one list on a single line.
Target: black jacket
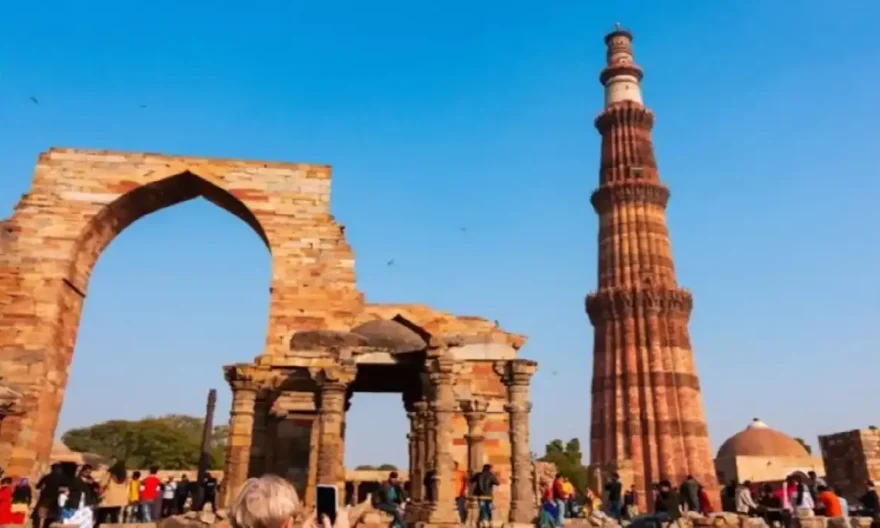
[(483, 483), (383, 494), (870, 501), (668, 502), (80, 489)]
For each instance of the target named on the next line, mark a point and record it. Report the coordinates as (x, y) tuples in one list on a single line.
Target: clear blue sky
[(441, 115)]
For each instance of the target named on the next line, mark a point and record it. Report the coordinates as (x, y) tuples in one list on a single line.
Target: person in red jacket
[(705, 503), (6, 516), (150, 489)]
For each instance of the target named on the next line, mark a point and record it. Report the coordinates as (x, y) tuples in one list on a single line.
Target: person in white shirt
[(168, 493), (844, 504)]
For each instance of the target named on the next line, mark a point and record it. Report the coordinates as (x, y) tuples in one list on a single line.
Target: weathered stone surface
[(646, 406), (851, 459), (81, 199)]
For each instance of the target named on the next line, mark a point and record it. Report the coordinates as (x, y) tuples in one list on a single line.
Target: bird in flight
[(34, 100), (391, 262)]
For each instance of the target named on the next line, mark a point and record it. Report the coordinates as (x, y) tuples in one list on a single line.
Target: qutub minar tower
[(647, 408)]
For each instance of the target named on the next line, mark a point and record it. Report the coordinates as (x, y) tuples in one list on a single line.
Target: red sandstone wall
[(479, 380), (80, 200)]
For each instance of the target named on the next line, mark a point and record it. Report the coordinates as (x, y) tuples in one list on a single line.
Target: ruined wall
[(80, 200), (851, 459)]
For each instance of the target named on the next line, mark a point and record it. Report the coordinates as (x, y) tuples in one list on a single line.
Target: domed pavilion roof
[(759, 440)]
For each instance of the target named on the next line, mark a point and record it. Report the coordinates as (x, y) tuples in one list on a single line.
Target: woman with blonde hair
[(272, 502)]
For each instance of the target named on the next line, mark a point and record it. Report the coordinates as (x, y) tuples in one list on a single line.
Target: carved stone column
[(442, 374), (242, 379), (474, 413), (430, 436), (333, 384), (517, 376)]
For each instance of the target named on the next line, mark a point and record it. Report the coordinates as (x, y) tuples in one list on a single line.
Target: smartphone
[(327, 499)]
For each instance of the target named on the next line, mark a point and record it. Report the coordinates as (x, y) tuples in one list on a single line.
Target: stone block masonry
[(647, 410), (81, 199)]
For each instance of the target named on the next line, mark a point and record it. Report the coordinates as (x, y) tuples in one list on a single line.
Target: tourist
[(484, 484), (705, 504), (592, 502), (728, 496), (667, 505), (150, 486), (745, 503), (689, 494), (82, 497), (182, 493), (631, 502), (389, 498), (134, 513), (429, 483), (6, 501), (870, 501), (168, 494), (21, 500), (271, 502), (827, 502), (559, 497), (114, 494), (568, 494), (844, 504), (209, 487), (614, 489), (47, 510), (770, 507), (802, 502), (461, 492)]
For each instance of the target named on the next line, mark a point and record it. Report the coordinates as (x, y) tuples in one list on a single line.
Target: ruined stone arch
[(80, 201)]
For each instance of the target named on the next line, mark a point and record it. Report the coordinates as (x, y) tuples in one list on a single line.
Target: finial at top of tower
[(621, 75)]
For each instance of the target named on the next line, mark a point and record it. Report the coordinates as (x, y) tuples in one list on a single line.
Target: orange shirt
[(831, 503), (461, 483)]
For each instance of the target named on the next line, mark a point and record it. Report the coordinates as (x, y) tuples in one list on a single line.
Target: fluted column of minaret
[(646, 399)]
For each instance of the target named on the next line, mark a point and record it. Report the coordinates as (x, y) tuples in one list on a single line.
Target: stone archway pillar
[(442, 373), (517, 376), (474, 414), (245, 385), (417, 451), (333, 383)]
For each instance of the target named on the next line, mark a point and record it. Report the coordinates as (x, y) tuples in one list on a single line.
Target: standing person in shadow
[(49, 486), (484, 484), (389, 498)]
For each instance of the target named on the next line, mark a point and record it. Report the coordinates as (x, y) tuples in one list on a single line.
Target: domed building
[(761, 454)]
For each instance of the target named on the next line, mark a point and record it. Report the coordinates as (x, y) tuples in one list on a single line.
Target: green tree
[(170, 442), (387, 467), (365, 468), (568, 460)]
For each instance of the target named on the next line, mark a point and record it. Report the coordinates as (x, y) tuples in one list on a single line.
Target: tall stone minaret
[(647, 408)]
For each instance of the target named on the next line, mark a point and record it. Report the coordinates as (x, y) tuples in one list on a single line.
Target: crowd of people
[(71, 495), (797, 496), (392, 498)]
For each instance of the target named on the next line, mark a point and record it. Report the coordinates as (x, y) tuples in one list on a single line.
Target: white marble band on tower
[(621, 75)]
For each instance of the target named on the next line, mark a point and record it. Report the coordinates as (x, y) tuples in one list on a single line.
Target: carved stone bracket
[(609, 195), (516, 372), (335, 378), (474, 410), (244, 377), (615, 304)]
